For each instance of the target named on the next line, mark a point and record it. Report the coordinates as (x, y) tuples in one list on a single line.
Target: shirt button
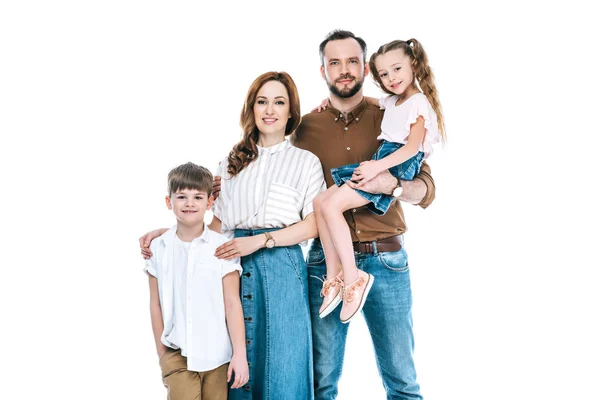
[(357, 231), (348, 148), (341, 115), (336, 119), (357, 119), (354, 210), (345, 128)]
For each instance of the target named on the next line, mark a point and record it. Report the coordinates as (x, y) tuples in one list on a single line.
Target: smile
[(269, 121)]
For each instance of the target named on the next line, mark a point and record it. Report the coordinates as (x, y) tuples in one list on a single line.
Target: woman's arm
[(215, 224), (147, 238), (293, 234)]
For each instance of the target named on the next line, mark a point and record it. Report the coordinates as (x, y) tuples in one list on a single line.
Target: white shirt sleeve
[(229, 266), (316, 185), (217, 207), (151, 265)]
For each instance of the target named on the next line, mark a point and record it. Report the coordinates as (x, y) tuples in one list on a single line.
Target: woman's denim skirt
[(274, 294)]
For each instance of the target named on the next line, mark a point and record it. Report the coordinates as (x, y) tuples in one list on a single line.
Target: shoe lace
[(329, 284), (349, 291)]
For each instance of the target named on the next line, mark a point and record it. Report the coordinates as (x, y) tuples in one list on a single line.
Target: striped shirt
[(274, 191)]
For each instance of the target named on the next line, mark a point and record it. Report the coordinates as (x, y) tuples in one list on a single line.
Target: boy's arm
[(156, 316), (235, 325)]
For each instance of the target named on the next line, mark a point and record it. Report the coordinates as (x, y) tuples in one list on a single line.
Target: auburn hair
[(246, 151)]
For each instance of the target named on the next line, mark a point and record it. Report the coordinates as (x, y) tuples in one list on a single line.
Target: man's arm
[(156, 316), (420, 191)]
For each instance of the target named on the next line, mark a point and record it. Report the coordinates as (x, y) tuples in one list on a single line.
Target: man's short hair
[(190, 176), (339, 34)]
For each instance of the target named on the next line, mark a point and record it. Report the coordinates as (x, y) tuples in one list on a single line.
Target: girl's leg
[(356, 283)]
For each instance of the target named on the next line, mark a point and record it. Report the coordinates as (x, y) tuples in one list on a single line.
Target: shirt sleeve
[(217, 207), (229, 266), (316, 185), (425, 176), (383, 101), (151, 264)]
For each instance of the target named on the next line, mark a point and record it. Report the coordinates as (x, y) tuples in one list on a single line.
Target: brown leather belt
[(390, 244)]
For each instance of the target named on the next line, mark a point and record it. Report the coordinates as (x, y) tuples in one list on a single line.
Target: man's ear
[(323, 72)]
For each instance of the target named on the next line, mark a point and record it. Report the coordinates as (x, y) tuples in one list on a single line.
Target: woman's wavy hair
[(246, 151), (423, 74)]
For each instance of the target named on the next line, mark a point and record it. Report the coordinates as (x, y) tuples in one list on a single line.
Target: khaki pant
[(182, 384)]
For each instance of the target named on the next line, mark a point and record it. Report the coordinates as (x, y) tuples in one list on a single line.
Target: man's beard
[(346, 93)]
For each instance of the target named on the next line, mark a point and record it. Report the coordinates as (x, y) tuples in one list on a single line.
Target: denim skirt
[(379, 203), (274, 293)]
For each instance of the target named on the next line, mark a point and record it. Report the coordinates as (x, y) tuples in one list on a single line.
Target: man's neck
[(188, 233), (346, 105)]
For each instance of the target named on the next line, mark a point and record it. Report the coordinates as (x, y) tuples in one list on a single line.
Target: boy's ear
[(211, 200), (168, 202)]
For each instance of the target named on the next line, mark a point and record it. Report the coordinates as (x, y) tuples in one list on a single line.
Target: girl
[(266, 207), (411, 124)]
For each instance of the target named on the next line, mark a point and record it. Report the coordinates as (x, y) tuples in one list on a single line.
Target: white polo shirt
[(191, 296)]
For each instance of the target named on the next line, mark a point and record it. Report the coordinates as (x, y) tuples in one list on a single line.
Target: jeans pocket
[(315, 257), (396, 261)]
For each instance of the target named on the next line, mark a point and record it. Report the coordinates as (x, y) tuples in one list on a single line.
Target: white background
[(99, 100)]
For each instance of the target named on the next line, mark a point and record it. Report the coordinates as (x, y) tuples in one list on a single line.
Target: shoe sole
[(362, 300), (332, 306)]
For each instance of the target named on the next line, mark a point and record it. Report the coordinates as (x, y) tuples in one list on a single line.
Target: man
[(343, 134)]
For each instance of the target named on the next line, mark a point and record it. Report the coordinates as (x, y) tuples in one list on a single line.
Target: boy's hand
[(216, 188), (322, 106), (240, 247), (239, 366), (146, 239), (366, 171)]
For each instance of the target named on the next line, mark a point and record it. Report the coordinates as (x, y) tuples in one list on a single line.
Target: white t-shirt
[(191, 296), (397, 120), (274, 191)]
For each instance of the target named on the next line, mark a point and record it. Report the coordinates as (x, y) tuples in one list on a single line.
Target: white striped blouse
[(274, 191)]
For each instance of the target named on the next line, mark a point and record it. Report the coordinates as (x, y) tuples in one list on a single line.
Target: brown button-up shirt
[(339, 141)]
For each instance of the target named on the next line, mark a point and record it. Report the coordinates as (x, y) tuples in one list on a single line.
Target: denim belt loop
[(374, 244)]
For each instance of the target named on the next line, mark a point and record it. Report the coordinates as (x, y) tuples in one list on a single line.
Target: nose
[(345, 68), (269, 110)]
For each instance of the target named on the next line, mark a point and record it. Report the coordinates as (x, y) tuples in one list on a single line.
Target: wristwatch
[(270, 242), (398, 190)]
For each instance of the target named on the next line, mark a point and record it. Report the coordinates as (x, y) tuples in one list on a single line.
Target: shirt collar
[(275, 148), (170, 236), (355, 114)]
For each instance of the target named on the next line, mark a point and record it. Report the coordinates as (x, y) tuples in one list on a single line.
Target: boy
[(194, 297)]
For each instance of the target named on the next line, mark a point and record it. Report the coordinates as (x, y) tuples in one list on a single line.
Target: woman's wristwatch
[(270, 242)]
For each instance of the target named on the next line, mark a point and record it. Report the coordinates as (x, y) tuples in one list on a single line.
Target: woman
[(265, 206)]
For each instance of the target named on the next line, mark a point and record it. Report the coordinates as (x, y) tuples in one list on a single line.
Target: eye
[(398, 68), (333, 63), (199, 197), (180, 197), (261, 102), (354, 61), (383, 75), (280, 102)]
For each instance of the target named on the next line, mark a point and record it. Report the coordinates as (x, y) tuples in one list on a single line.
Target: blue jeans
[(379, 203), (388, 313), (274, 293)]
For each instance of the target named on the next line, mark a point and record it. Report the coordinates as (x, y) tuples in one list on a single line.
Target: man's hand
[(146, 239), (384, 183), (239, 366), (216, 189), (240, 247)]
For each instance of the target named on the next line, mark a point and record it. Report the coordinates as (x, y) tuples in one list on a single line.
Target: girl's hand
[(239, 366), (322, 106), (366, 171), (240, 247)]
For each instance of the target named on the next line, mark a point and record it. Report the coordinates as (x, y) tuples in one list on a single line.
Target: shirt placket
[(188, 299)]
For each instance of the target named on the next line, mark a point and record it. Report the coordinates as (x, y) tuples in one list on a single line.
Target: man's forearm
[(413, 191)]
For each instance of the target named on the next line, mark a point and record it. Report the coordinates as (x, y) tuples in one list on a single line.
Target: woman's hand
[(240, 247)]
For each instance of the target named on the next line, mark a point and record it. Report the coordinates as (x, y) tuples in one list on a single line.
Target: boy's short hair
[(190, 176)]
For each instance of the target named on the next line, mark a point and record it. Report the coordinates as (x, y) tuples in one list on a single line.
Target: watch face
[(270, 243), (397, 192)]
